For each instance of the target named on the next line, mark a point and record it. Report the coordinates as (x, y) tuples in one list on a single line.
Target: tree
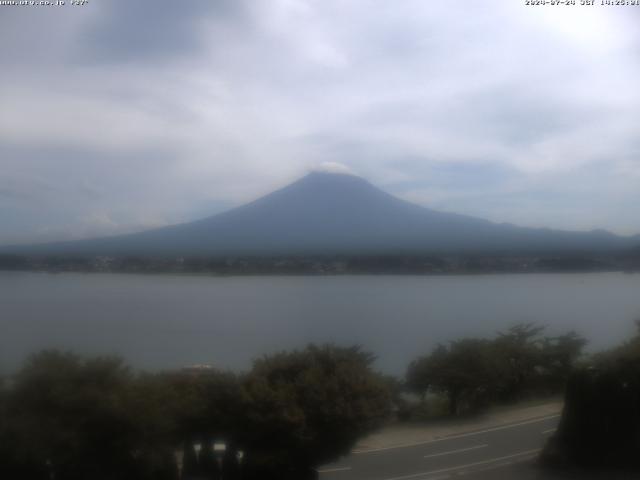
[(532, 363), (558, 357), (518, 352), (309, 407), (628, 352), (174, 410), (200, 405), (68, 416), (463, 371), (600, 423), (472, 372)]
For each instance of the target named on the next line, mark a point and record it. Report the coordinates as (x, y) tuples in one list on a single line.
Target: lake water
[(164, 321)]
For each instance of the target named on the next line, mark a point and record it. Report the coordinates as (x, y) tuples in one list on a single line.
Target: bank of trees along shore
[(472, 373), (73, 418), (66, 417)]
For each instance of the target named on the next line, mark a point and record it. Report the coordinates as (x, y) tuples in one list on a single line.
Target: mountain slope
[(338, 213)]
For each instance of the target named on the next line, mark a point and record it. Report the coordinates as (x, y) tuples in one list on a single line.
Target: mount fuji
[(337, 213)]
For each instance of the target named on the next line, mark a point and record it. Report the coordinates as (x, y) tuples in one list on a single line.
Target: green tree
[(600, 423), (473, 372), (530, 362), (627, 353), (309, 407), (195, 405), (463, 371), (174, 410), (558, 358), (518, 354), (69, 416)]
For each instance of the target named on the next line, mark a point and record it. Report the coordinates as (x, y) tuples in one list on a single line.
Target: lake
[(169, 321)]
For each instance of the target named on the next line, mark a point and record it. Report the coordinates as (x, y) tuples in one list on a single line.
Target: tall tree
[(70, 415), (462, 370), (309, 407)]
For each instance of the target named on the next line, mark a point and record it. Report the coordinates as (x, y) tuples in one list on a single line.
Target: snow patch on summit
[(333, 167)]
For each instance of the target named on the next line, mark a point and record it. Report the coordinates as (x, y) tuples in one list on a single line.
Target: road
[(504, 452)]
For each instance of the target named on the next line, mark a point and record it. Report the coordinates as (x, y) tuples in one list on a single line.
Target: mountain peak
[(333, 176), (333, 168), (329, 183)]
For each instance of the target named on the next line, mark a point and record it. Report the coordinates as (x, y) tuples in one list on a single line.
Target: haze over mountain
[(337, 213)]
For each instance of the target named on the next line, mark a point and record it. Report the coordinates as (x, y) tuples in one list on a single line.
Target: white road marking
[(456, 451), (462, 467), (453, 437), (331, 470), (551, 430), (487, 468)]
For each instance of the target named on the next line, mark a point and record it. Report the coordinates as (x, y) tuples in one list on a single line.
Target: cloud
[(126, 31), (170, 110)]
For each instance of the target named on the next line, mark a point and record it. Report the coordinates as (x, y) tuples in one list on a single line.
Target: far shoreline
[(317, 275)]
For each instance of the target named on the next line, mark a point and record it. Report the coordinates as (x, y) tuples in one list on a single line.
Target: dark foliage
[(473, 373), (600, 425), (78, 419), (67, 415), (310, 406)]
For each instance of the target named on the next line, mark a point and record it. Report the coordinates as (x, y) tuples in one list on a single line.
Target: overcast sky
[(122, 115)]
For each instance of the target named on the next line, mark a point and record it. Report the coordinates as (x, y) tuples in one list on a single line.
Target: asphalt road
[(505, 452)]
